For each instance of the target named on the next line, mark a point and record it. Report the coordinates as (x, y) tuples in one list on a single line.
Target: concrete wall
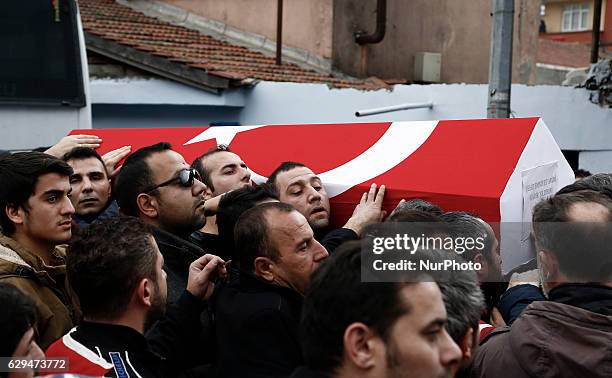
[(596, 161), (306, 24), (107, 116), (459, 30), (576, 123), (27, 127)]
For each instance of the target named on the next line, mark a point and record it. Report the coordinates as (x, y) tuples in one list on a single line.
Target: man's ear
[(144, 292), (16, 214), (549, 265), (360, 346), (467, 344), (148, 205), (264, 268), (484, 271)]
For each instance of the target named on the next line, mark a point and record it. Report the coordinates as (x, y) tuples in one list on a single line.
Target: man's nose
[(313, 194), (320, 253), (67, 208), (87, 187), (246, 174), (198, 187), (450, 353)]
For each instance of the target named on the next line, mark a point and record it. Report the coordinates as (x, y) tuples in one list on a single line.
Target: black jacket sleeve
[(334, 238), (175, 337)]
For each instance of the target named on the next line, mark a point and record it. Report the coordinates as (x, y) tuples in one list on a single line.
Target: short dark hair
[(19, 174), (251, 234), (409, 215), (463, 225), (582, 173), (232, 205), (337, 298), (283, 167), (80, 153), (422, 205), (135, 176), (599, 183), (581, 248), (198, 164), (17, 316), (463, 297), (105, 263)]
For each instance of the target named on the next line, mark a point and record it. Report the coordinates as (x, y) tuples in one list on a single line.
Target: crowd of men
[(161, 268)]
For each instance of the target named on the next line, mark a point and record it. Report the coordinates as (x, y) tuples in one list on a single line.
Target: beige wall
[(458, 29), (307, 24), (554, 15)]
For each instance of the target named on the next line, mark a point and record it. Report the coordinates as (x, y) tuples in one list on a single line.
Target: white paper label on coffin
[(397, 143)]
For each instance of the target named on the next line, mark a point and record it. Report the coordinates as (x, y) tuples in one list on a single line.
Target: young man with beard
[(298, 186), (116, 269), (156, 185), (91, 187), (222, 171), (36, 218), (355, 329)]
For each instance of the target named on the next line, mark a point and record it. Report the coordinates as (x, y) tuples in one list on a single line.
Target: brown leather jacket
[(551, 339), (56, 304)]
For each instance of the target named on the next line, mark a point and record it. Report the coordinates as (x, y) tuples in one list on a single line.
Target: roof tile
[(115, 22)]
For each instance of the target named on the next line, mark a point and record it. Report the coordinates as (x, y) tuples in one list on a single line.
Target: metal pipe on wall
[(279, 32), (394, 108), (381, 23)]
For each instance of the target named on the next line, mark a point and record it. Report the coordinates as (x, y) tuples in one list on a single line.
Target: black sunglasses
[(185, 178)]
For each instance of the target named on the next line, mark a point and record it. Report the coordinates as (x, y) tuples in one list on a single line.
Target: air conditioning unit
[(427, 67)]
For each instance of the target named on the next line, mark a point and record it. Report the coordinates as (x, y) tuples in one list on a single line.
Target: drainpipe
[(381, 22), (596, 25), (279, 32)]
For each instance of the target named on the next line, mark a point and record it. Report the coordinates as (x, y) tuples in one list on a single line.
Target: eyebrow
[(436, 322), (302, 241), (231, 165), (57, 192)]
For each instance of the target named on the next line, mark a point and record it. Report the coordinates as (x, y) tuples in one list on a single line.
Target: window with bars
[(575, 17)]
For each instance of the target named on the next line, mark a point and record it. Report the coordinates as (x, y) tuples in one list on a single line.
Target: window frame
[(574, 13)]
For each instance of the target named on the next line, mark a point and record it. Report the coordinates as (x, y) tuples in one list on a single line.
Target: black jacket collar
[(591, 297), (250, 282), (122, 337)]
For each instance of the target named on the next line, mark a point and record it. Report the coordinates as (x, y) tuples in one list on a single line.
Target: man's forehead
[(220, 159), (296, 175), (164, 161), (290, 224), (588, 212), (424, 299), (87, 164), (51, 181)]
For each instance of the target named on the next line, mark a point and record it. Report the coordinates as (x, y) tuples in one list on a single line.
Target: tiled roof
[(117, 29)]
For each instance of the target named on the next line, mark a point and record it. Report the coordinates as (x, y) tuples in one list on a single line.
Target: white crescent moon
[(399, 141)]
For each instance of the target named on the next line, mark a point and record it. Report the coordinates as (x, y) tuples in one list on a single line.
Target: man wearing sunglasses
[(156, 185)]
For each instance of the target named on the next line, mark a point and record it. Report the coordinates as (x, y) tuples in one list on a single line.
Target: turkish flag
[(471, 165)]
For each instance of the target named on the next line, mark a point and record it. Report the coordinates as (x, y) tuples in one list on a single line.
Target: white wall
[(576, 123), (596, 161)]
